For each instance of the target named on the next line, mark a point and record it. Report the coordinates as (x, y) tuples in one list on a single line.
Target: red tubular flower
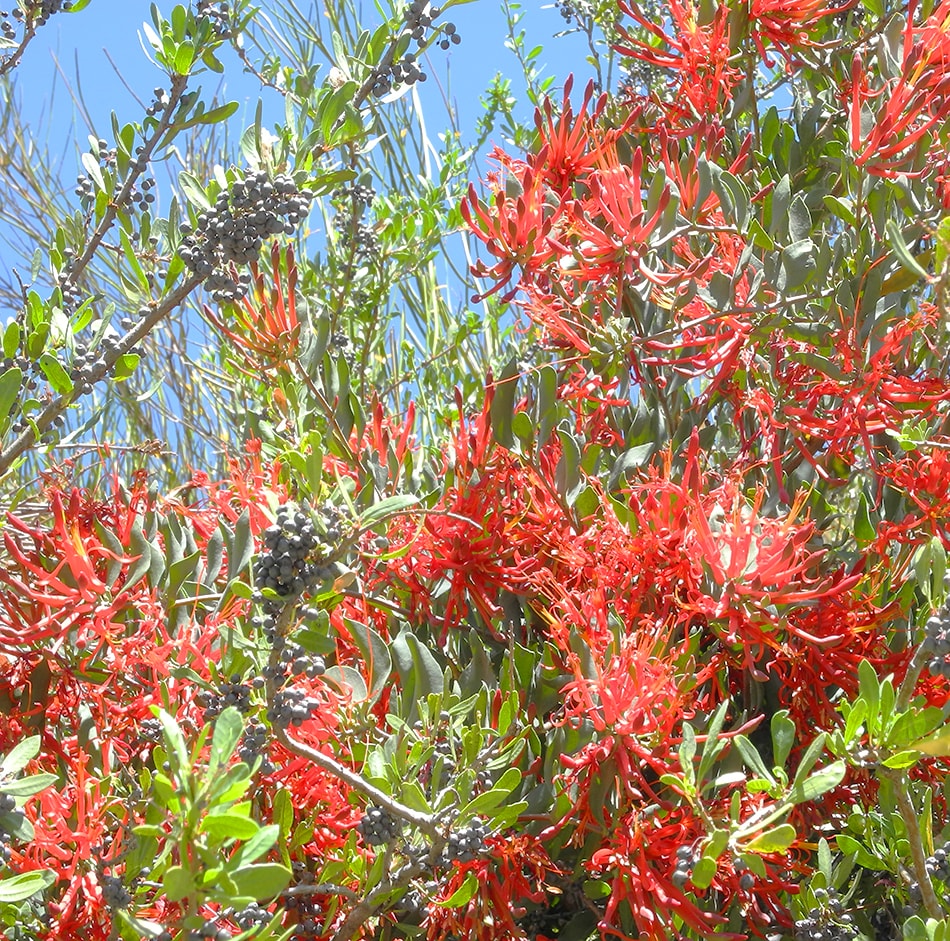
[(514, 872), (696, 54), (638, 859), (912, 104), (572, 144), (515, 229), (785, 23), (265, 328), (611, 226), (634, 704)]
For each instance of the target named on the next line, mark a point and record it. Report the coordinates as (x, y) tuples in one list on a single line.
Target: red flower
[(610, 229), (912, 104), (696, 54), (514, 228), (785, 23), (514, 872), (265, 331)]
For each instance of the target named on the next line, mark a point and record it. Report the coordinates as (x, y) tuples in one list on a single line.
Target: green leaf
[(704, 872), (173, 737), (11, 339), (184, 57), (687, 752), (178, 883), (856, 717), (55, 374), (504, 391), (261, 881), (903, 759), (214, 116), (228, 728), (10, 383), (25, 885), (375, 653), (798, 264), (776, 840), (913, 725), (24, 787), (259, 844), (193, 190), (864, 530), (464, 893), (713, 745), (125, 366), (851, 847), (418, 669), (818, 783), (824, 859), (915, 929), (870, 689), (937, 744), (388, 507), (900, 249), (752, 758), (812, 754), (20, 756), (485, 803), (229, 826)]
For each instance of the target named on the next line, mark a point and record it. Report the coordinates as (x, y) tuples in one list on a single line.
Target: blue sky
[(98, 54), (101, 44)]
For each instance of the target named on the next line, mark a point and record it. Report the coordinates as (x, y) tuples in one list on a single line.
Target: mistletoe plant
[(609, 601)]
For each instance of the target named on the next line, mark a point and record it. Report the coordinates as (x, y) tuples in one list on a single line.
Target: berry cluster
[(884, 925), (937, 641), (827, 922), (159, 102), (378, 826), (209, 931), (90, 365), (85, 189), (685, 860), (253, 916), (291, 706), (232, 693), (311, 918), (341, 345), (468, 843), (305, 909), (287, 566), (420, 19), (151, 729), (254, 745), (219, 13), (232, 232), (8, 809), (297, 662), (31, 370), (938, 867), (114, 893), (36, 13), (568, 10), (299, 548), (70, 294), (359, 239)]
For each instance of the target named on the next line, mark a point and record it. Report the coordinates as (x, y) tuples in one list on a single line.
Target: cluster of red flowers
[(688, 581)]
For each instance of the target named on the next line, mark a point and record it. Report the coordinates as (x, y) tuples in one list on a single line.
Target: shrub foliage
[(607, 602)]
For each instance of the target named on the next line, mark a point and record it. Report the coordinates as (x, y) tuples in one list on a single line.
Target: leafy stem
[(905, 806)]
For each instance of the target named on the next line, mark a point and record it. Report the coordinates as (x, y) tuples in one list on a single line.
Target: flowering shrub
[(645, 635)]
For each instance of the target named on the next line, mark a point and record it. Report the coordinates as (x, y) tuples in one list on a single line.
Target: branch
[(44, 420), (136, 169)]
